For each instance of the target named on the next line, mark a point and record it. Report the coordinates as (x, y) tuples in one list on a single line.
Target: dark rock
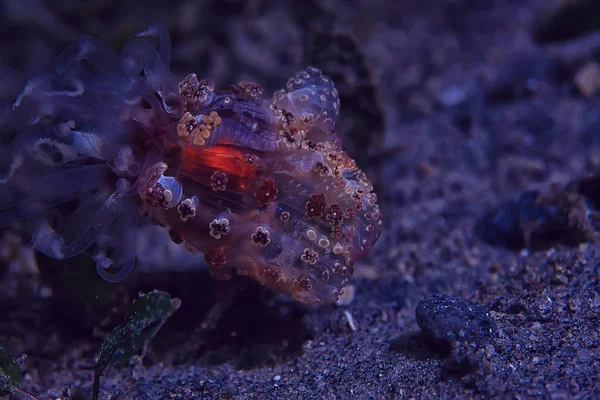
[(589, 187), (536, 222), (523, 126), (565, 20), (342, 59), (521, 75), (444, 321)]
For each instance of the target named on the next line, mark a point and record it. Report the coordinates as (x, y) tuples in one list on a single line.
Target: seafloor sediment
[(455, 108)]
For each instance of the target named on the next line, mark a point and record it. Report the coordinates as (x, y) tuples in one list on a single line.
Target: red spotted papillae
[(264, 189)]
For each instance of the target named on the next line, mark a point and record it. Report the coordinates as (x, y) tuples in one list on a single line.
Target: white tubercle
[(173, 190)]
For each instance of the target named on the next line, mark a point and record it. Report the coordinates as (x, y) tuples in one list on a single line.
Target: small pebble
[(587, 79), (347, 297)]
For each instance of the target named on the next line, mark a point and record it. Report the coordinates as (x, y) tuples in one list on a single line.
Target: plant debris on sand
[(464, 112)]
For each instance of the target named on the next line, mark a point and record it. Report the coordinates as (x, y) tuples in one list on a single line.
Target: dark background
[(452, 108)]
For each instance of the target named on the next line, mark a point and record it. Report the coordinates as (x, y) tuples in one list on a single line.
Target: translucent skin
[(75, 145), (260, 186)]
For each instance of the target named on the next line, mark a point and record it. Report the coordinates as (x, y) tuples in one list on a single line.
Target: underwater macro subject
[(261, 186)]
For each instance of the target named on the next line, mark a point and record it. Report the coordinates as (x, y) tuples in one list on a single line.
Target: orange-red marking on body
[(230, 160)]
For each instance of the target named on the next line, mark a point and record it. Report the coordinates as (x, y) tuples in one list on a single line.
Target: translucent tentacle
[(139, 56), (164, 45), (109, 211), (47, 241), (126, 263), (96, 52), (26, 198), (73, 87)]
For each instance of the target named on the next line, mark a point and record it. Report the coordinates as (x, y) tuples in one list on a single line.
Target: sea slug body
[(261, 186)]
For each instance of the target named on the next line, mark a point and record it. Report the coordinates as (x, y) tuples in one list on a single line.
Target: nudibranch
[(261, 186)]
